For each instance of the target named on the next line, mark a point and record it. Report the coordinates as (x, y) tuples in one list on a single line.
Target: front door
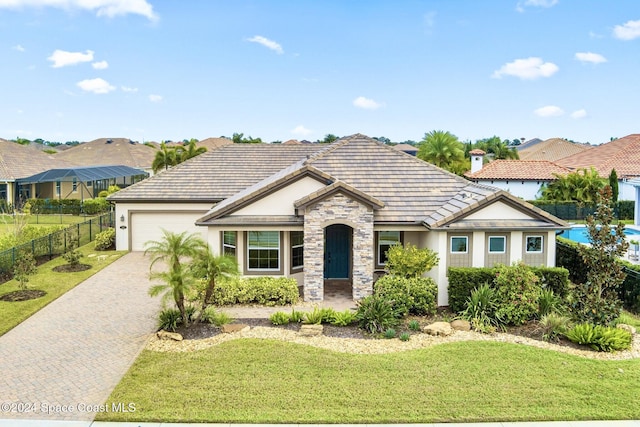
[(337, 251)]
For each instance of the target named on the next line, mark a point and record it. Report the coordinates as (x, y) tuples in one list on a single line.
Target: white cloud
[(628, 31), (18, 47), (526, 69), (549, 111), (61, 58), (594, 58), (429, 20), (366, 103), (155, 98), (520, 7), (98, 85), (275, 46), (129, 89), (100, 65), (579, 114), (108, 8), (300, 130)]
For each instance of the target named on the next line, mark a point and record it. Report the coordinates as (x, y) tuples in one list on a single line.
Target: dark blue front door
[(337, 251)]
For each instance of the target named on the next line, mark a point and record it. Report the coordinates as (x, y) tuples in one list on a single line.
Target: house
[(322, 213), (521, 178), (407, 148), (551, 150)]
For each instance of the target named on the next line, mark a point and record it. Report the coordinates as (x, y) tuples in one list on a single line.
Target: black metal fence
[(57, 243)]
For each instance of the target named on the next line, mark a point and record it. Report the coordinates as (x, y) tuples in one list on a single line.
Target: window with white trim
[(297, 249), (263, 250), (534, 244), (497, 244), (58, 188), (74, 187), (459, 244), (386, 239), (229, 243)]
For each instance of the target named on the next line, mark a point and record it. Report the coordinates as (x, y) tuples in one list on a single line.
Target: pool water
[(579, 233)]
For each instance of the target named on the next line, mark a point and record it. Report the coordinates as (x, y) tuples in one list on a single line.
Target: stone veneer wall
[(338, 209)]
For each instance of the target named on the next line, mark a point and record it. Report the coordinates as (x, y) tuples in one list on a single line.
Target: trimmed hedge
[(577, 211), (268, 291), (415, 295), (463, 280)]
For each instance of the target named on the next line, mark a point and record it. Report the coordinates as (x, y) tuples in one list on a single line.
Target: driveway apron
[(66, 359)]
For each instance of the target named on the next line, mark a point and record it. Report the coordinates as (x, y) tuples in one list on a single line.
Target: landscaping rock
[(461, 325), (311, 330), (627, 328), (164, 335), (441, 329), (234, 327)]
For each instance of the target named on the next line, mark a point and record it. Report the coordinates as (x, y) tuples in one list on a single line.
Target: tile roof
[(477, 152), (403, 188), (20, 161), (120, 151), (621, 154), (527, 170), (552, 150)]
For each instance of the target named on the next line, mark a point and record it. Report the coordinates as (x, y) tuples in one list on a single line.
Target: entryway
[(338, 248)]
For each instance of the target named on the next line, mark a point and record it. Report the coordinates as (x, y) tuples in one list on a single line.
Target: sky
[(156, 70)]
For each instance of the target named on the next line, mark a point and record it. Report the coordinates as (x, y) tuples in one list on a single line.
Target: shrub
[(390, 333), (548, 303), (410, 296), (414, 325), (313, 317), (554, 326), (95, 206), (600, 338), (462, 281), (24, 267), (169, 319), (105, 239), (517, 293), (208, 314), (554, 278), (481, 310), (327, 315), (343, 318), (409, 261), (280, 318), (404, 336), (376, 314), (221, 318), (296, 316), (269, 291)]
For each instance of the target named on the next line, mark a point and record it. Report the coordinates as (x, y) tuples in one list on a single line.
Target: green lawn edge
[(55, 284), (266, 381)]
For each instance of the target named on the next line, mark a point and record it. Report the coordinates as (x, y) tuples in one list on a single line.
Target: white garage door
[(146, 226)]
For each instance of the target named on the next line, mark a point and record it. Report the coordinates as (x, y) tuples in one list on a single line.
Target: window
[(534, 244), (57, 188), (229, 243), (75, 185), (386, 239), (497, 244), (459, 245), (263, 250), (297, 249)]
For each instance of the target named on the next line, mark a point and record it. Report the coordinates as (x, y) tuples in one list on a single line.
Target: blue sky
[(169, 70)]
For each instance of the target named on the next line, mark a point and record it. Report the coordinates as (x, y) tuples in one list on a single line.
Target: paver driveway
[(72, 353)]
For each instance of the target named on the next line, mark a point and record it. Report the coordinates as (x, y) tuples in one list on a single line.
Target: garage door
[(146, 226)]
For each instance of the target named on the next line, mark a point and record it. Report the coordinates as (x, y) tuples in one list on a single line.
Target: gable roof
[(110, 151), (552, 150), (401, 187), (519, 170), (19, 161), (621, 154)]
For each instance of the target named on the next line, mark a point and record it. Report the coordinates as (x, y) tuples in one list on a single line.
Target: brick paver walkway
[(72, 353)]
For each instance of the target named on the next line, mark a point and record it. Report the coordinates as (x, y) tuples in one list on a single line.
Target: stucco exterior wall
[(281, 201)]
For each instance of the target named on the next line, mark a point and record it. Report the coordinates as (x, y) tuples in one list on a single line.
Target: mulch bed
[(22, 295), (69, 268)]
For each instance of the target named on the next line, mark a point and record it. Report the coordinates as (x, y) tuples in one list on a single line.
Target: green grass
[(263, 381), (55, 284), (7, 221)]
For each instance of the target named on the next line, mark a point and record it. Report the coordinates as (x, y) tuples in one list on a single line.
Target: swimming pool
[(578, 233)]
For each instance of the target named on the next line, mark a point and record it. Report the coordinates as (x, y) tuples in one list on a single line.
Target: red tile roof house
[(325, 212)]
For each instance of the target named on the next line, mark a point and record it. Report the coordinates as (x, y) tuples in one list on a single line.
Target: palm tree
[(441, 148), (174, 249), (165, 158), (211, 267), (581, 186), (190, 150)]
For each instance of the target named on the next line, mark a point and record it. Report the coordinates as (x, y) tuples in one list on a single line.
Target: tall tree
[(177, 250), (441, 148), (582, 186), (190, 150), (165, 158), (497, 148), (613, 183), (329, 138), (211, 268)]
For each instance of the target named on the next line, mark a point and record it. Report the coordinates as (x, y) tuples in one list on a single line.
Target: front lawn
[(54, 284), (264, 381)]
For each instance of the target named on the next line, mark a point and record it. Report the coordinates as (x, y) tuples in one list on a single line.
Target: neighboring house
[(621, 154), (521, 178), (110, 151), (407, 148), (329, 212), (20, 161), (551, 150)]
